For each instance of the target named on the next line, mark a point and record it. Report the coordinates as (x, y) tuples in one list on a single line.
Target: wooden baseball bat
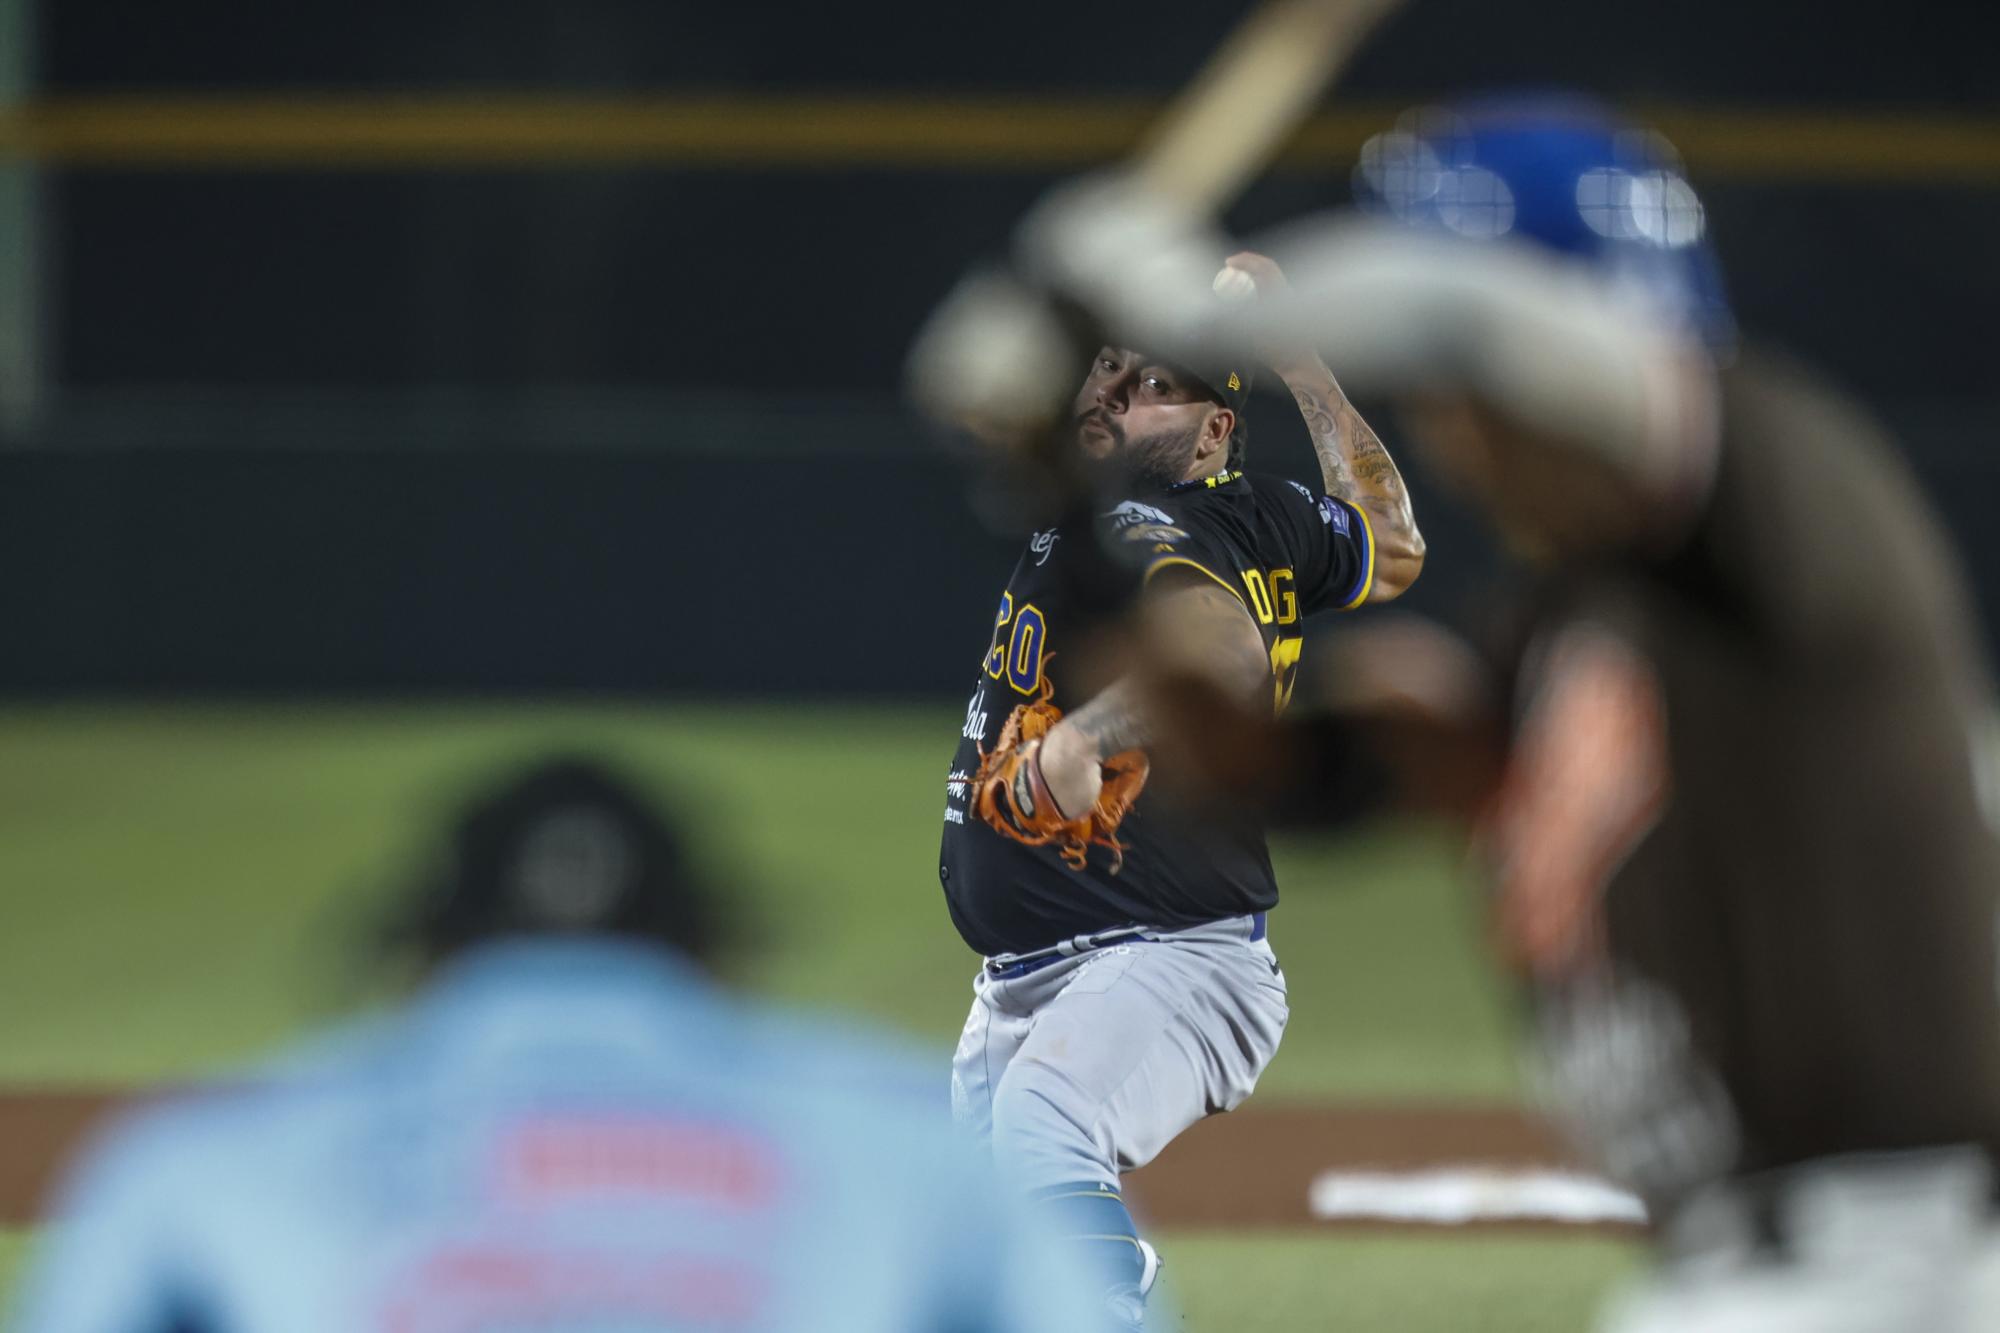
[(1223, 129)]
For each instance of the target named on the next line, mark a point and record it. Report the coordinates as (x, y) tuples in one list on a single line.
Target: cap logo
[(1235, 382)]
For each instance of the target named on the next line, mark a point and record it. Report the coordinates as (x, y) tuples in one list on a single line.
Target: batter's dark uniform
[(1284, 551), (1796, 900)]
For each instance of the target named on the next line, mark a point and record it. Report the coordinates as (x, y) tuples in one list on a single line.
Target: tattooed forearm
[(1370, 461), (1326, 437), (1352, 461), (1357, 469), (1113, 722)]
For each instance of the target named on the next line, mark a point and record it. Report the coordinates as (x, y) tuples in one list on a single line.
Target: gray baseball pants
[(1086, 1068)]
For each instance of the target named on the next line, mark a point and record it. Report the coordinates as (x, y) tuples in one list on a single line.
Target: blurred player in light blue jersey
[(570, 1128)]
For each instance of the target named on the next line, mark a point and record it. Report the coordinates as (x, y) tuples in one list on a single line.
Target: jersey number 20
[(1017, 658)]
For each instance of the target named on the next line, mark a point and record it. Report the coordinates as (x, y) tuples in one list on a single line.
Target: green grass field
[(189, 885), (1285, 1282)]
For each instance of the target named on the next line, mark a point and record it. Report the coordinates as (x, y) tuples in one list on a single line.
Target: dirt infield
[(1263, 1166), (1258, 1166)]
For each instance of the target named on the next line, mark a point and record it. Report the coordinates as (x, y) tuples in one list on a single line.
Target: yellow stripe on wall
[(907, 132)]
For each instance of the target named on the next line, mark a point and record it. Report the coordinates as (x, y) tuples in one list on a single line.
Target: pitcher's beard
[(1146, 464)]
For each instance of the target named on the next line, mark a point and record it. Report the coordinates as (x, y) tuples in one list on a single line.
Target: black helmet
[(566, 846)]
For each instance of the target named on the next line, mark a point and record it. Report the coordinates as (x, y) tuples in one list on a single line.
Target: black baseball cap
[(1227, 380), (1225, 375)]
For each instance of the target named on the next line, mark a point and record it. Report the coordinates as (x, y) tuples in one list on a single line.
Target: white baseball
[(1233, 284)]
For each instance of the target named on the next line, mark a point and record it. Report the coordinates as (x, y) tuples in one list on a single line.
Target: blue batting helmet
[(1564, 174)]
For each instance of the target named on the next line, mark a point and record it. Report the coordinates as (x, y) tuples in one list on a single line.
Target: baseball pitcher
[(1129, 988)]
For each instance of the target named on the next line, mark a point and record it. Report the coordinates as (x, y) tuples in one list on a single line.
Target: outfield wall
[(616, 566)]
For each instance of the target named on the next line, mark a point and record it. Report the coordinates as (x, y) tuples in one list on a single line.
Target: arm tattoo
[(1352, 461), (1326, 436), (1370, 460), (1113, 721)]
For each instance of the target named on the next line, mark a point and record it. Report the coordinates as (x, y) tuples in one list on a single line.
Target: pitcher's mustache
[(1098, 419)]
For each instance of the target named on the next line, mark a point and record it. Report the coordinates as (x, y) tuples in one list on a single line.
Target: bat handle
[(1235, 116)]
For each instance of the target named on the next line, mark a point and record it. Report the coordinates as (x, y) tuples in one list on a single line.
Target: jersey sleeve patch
[(1132, 513), (1153, 532), (1152, 539), (1134, 531), (1334, 514)]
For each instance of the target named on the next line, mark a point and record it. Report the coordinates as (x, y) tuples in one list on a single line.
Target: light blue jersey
[(573, 1136)]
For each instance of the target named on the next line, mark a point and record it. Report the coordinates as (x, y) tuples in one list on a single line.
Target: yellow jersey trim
[(1222, 478), (1368, 565), (1220, 582)]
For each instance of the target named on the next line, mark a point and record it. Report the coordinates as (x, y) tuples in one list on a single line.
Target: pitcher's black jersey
[(1281, 549)]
